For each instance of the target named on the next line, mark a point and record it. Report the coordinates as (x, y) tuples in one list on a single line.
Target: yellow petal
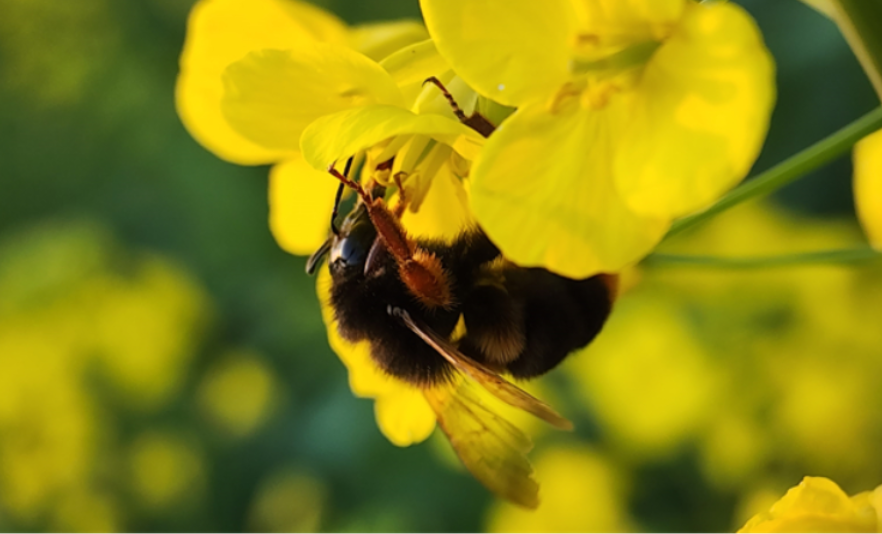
[(301, 200), (415, 63), (510, 52), (868, 186), (272, 95), (404, 417), (816, 505), (444, 213), (342, 134), (701, 115), (377, 40), (403, 414), (542, 191), (220, 32)]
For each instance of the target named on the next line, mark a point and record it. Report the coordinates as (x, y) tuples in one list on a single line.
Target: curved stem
[(788, 260), (789, 170)]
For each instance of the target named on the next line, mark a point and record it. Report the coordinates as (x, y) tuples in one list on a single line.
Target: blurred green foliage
[(163, 365)]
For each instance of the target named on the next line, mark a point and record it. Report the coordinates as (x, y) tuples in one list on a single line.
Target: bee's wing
[(492, 449), (489, 379)]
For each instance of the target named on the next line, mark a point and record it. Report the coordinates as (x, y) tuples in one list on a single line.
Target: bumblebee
[(410, 299)]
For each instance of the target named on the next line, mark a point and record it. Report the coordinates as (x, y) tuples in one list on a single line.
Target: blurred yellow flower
[(819, 505), (147, 328), (237, 394), (581, 492), (630, 113), (288, 501), (650, 391), (67, 311), (868, 186), (87, 510), (166, 470)]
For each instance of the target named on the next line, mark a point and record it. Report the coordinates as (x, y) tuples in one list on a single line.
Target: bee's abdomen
[(561, 315)]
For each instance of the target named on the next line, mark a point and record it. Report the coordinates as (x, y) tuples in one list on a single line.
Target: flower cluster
[(628, 115)]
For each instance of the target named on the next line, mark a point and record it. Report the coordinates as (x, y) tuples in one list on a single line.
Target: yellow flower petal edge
[(272, 95), (542, 191), (334, 137), (817, 505), (378, 40), (868, 186), (701, 116), (510, 51), (414, 63), (301, 200), (403, 414), (220, 32)]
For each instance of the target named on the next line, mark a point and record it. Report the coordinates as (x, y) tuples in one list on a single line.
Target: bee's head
[(349, 248)]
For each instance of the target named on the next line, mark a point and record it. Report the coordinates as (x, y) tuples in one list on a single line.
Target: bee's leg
[(476, 122), (420, 270), (402, 197), (460, 114), (348, 182)]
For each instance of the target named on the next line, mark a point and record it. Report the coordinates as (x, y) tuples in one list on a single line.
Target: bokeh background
[(164, 367)]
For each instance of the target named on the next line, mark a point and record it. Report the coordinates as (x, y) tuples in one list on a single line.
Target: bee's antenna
[(338, 197)]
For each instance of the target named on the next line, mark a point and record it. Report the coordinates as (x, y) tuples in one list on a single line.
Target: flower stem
[(788, 170), (861, 23), (788, 260)]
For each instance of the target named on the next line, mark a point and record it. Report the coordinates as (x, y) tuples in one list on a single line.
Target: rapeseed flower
[(630, 114), (261, 81), (817, 504), (868, 186)]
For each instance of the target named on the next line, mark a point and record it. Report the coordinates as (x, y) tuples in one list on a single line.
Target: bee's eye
[(349, 251), (351, 248)]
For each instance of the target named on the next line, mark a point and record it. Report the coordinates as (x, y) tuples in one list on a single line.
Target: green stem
[(789, 260), (861, 23), (788, 170)]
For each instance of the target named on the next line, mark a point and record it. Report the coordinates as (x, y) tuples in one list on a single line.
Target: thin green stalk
[(789, 170), (788, 260), (861, 23)]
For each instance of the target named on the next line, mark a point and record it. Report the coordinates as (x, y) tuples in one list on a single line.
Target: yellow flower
[(818, 505), (262, 80), (630, 113), (868, 186), (293, 63), (582, 491)]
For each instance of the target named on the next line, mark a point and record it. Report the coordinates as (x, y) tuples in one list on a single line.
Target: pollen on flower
[(597, 96), (501, 87)]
